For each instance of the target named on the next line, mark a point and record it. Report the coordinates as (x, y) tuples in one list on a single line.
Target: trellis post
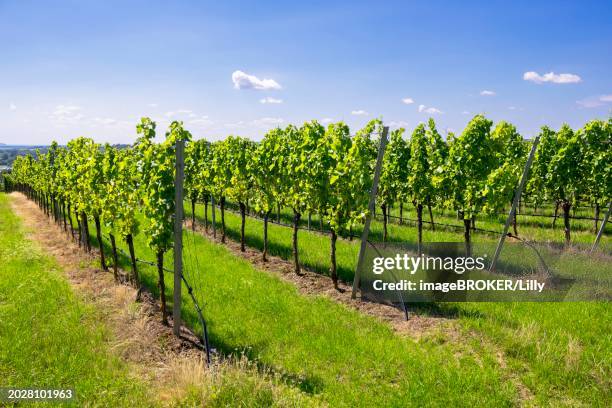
[(517, 197), (178, 235), (602, 228), (371, 208)]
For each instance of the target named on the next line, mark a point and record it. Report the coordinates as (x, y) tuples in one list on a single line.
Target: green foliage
[(470, 160), (437, 153), (510, 151), (393, 183), (239, 152), (596, 137), (539, 187), (267, 169), (351, 177), (420, 178), (565, 176), (157, 188)]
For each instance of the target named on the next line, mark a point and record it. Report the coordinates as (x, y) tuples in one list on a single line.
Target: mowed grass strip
[(561, 351), (48, 337)]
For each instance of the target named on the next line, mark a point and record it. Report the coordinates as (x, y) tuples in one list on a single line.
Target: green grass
[(324, 349), (48, 337), (561, 352)]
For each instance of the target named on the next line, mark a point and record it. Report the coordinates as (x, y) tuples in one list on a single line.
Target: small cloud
[(179, 112), (551, 77), (152, 105), (398, 124), (512, 107), (269, 99), (595, 101), (104, 121), (359, 112), (12, 106), (407, 101), (243, 80), (326, 120), (62, 110), (235, 125), (201, 121), (66, 114), (487, 93), (266, 122), (430, 110), (465, 113)]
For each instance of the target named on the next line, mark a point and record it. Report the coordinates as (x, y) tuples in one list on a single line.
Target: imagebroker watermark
[(448, 272), (530, 285)]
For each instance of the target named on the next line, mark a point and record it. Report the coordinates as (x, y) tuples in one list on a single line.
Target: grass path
[(48, 336), (95, 338)]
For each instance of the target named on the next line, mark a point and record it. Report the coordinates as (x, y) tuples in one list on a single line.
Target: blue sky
[(92, 68)]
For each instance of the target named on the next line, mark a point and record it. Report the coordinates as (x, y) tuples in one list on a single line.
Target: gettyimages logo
[(412, 264)]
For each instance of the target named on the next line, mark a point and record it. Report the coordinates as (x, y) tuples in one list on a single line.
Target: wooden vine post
[(178, 235)]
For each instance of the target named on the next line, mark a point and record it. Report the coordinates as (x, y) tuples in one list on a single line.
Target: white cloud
[(243, 80), (326, 120), (266, 122), (235, 125), (595, 101), (407, 101), (104, 121), (398, 124), (359, 112), (66, 114), (551, 77), (179, 112), (430, 110), (487, 93), (269, 99), (201, 121), (152, 105), (64, 110), (465, 113), (12, 106)]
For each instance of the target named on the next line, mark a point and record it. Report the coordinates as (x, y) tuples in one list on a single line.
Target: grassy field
[(321, 348), (48, 337), (560, 353)]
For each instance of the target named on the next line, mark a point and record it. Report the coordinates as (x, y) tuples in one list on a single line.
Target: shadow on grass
[(307, 384)]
